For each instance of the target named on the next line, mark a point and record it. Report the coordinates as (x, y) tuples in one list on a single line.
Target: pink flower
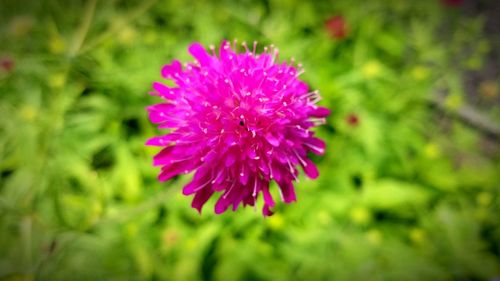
[(336, 27), (239, 120)]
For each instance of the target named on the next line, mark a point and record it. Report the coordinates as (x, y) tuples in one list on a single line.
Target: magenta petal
[(230, 159), (197, 50), (175, 154), (158, 112), (222, 204), (276, 172), (263, 167), (164, 157), (268, 199), (287, 191), (310, 169), (236, 202), (317, 146), (200, 198), (244, 175), (191, 187), (169, 70), (224, 50), (161, 140), (251, 153), (272, 139), (302, 87), (320, 112), (266, 211), (164, 91), (201, 179), (210, 156), (168, 172)]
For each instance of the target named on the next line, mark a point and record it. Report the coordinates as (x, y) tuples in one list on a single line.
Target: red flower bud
[(452, 3), (336, 27), (352, 119), (7, 63)]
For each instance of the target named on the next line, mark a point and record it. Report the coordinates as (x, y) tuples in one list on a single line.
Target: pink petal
[(268, 199), (222, 204), (272, 139), (287, 191), (170, 171), (266, 211), (169, 70), (310, 169), (164, 90), (162, 140), (197, 51), (317, 146), (319, 112), (244, 175), (201, 197), (230, 159)]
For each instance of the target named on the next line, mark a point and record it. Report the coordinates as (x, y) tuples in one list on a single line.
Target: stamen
[(254, 194), (316, 99), (180, 160), (319, 149), (274, 55), (300, 158), (317, 121), (244, 44), (202, 186), (229, 191), (218, 176)]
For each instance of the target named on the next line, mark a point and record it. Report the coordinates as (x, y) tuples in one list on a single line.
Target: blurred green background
[(409, 187)]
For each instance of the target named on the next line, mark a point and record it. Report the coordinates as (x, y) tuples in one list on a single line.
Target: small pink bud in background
[(336, 27), (352, 119), (7, 63)]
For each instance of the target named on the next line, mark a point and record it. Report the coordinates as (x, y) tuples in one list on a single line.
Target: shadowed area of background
[(409, 186)]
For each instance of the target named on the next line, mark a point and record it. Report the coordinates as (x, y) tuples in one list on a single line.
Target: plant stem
[(114, 28), (470, 116), (83, 29)]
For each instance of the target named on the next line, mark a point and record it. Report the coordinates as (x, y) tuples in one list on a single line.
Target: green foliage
[(406, 193)]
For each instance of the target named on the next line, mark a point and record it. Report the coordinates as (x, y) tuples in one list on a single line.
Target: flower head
[(336, 27), (239, 120)]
